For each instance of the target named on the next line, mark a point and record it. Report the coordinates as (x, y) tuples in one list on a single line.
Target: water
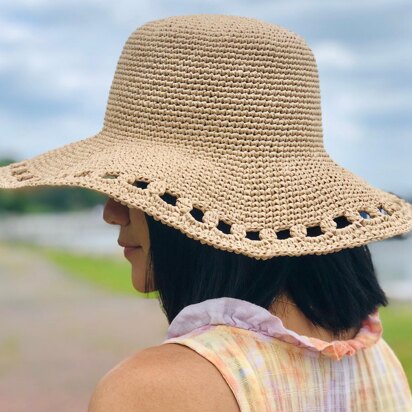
[(83, 231), (87, 232)]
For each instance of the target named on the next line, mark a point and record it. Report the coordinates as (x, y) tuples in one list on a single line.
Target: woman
[(212, 158), (342, 288)]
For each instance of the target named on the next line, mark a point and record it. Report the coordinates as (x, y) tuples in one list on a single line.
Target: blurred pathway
[(59, 336)]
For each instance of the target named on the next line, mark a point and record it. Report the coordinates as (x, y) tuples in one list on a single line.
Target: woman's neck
[(293, 319)]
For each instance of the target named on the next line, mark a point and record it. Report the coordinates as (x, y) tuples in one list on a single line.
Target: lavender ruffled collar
[(246, 315)]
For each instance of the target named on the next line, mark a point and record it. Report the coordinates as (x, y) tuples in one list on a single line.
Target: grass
[(114, 274), (397, 331)]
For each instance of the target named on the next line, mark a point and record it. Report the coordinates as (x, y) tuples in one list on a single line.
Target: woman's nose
[(115, 213)]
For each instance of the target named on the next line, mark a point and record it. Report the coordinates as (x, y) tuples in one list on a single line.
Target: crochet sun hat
[(213, 126)]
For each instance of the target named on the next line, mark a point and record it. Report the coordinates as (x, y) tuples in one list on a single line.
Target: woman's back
[(271, 368)]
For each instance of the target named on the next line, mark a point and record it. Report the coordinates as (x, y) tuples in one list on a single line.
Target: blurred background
[(68, 310)]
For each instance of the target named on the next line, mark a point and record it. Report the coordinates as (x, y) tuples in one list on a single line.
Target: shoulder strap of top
[(224, 349)]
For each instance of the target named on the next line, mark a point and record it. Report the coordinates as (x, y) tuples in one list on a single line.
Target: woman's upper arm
[(122, 391)]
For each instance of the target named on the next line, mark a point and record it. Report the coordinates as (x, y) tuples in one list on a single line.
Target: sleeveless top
[(271, 368)]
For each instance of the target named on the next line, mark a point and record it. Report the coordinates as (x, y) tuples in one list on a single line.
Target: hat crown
[(220, 80)]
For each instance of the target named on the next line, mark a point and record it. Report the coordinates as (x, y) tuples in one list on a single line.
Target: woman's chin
[(137, 284)]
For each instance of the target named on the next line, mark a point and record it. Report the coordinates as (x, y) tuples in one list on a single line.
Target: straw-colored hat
[(213, 126)]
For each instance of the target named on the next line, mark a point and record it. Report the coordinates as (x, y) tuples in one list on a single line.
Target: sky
[(58, 58)]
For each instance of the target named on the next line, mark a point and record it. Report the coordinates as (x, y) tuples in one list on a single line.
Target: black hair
[(335, 291)]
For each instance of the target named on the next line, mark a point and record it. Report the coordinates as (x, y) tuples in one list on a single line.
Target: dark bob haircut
[(335, 291)]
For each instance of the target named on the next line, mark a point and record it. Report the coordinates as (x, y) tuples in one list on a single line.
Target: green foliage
[(6, 161)]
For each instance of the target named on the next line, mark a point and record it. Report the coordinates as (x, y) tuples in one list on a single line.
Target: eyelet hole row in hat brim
[(224, 227), (20, 172)]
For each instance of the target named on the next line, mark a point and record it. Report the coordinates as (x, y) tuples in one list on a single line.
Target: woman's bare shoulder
[(168, 377)]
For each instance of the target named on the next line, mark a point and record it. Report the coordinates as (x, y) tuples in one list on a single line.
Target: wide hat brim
[(293, 208)]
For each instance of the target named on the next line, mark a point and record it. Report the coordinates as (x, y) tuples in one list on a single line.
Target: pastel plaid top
[(271, 368)]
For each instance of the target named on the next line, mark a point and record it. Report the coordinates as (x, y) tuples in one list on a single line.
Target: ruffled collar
[(246, 315)]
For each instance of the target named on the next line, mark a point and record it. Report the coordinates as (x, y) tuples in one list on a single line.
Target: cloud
[(13, 32), (376, 102), (24, 139), (333, 55)]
